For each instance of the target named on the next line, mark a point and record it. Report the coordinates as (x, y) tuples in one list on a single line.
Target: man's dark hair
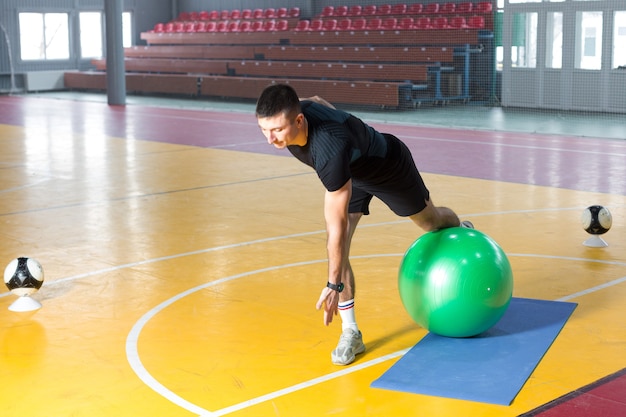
[(276, 99)]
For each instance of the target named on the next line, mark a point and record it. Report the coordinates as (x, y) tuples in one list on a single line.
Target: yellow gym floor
[(181, 280)]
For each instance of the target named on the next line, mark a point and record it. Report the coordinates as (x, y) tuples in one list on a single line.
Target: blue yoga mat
[(491, 367)]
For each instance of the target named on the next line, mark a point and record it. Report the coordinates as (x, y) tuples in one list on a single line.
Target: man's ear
[(300, 120)]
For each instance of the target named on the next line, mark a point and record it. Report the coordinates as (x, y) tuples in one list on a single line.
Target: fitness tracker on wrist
[(335, 287)]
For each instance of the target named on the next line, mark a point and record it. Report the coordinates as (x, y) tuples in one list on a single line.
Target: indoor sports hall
[(183, 255)]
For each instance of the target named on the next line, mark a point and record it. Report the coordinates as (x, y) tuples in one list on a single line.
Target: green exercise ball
[(455, 282)]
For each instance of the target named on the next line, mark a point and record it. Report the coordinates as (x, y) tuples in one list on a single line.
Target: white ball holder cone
[(25, 303), (595, 241)]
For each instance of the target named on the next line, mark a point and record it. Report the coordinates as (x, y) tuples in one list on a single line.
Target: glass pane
[(127, 30), (524, 45), (554, 40), (31, 36), (524, 1), (90, 35), (57, 36), (619, 40), (588, 40)]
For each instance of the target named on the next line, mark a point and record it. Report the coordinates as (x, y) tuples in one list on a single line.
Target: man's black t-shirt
[(339, 146)]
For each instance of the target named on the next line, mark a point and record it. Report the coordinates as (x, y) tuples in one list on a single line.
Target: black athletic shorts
[(396, 181)]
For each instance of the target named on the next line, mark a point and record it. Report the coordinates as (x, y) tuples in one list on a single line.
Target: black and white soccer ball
[(596, 220), (23, 276)]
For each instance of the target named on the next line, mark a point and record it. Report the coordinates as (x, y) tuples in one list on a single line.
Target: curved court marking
[(270, 239), (143, 374)]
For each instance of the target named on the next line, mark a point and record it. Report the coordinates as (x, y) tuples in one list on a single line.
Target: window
[(588, 40), (92, 33), (619, 40), (127, 29), (44, 36), (554, 40), (524, 45)]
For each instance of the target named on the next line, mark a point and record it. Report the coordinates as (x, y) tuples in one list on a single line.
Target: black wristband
[(335, 287)]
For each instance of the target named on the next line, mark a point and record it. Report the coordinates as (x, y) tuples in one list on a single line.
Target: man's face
[(282, 130)]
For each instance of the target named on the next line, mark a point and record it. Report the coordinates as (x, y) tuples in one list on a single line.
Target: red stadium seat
[(476, 22), (415, 8), (235, 14), (398, 9), (182, 16), (169, 27), (383, 9), (405, 23), (214, 15), (294, 12), (222, 26), (200, 26), (179, 27), (269, 13), (374, 24), (369, 10), (344, 24), (190, 27), (257, 14), (246, 14), (359, 24), (483, 7), (282, 13), (439, 22), (282, 25), (233, 26), (341, 11), (245, 26), (448, 8), (224, 14), (257, 26), (316, 24), (329, 24), (422, 23), (211, 26), (328, 11), (355, 10), (389, 23), (203, 15), (193, 16), (431, 8), (465, 7), (159, 28), (302, 25), (269, 25), (457, 22)]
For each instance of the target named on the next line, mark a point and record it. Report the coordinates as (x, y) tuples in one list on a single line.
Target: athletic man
[(354, 163)]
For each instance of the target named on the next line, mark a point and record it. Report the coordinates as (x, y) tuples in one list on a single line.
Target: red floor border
[(605, 397)]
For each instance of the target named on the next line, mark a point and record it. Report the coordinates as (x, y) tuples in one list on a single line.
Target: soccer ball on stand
[(23, 277), (596, 220)]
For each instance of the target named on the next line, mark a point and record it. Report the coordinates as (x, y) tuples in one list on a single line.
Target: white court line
[(135, 362), (143, 374), (264, 240)]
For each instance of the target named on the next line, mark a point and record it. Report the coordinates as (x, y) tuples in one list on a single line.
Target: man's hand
[(329, 299)]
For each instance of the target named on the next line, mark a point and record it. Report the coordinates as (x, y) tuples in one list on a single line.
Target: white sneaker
[(350, 345), (467, 224)]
